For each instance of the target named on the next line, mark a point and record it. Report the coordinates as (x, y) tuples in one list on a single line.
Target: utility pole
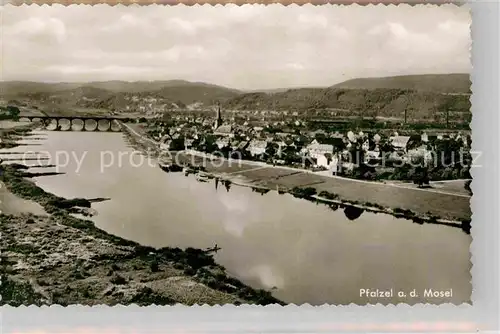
[(409, 105)]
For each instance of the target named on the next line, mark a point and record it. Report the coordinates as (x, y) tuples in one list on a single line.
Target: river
[(305, 253)]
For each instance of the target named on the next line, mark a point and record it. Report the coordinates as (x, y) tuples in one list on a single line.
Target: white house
[(400, 142), (323, 160), (315, 149), (222, 142), (257, 147), (225, 131), (329, 161)]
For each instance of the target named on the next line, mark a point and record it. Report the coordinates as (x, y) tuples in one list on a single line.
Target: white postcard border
[(482, 315)]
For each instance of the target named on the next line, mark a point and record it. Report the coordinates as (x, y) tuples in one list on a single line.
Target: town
[(328, 147)]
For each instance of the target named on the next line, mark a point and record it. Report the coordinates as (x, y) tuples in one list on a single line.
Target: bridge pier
[(58, 128)]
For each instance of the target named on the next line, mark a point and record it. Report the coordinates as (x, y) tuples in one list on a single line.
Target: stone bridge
[(83, 122)]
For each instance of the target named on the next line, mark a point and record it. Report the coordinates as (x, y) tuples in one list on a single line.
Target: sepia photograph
[(256, 154)]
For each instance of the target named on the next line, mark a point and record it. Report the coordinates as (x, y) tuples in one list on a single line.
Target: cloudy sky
[(247, 47)]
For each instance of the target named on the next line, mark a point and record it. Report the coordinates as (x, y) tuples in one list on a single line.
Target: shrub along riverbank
[(329, 198), (68, 260)]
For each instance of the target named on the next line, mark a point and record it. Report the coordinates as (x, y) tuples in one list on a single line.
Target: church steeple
[(218, 119)]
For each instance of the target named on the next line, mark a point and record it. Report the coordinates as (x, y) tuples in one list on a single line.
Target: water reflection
[(352, 212), (334, 207), (260, 191)]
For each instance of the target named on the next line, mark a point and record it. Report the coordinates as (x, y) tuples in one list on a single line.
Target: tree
[(177, 144), (421, 176), (9, 112), (385, 146), (14, 111), (402, 172), (357, 157), (271, 150), (207, 144), (226, 151)]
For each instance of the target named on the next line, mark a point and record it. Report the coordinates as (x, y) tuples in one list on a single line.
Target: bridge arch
[(115, 126), (64, 124), (24, 119), (49, 124), (77, 124), (104, 125), (89, 124)]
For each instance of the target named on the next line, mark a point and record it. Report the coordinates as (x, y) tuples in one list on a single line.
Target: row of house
[(324, 148)]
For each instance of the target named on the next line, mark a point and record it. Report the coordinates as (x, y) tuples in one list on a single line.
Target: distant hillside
[(115, 95), (24, 87), (352, 102), (14, 88), (151, 86), (439, 83), (170, 96), (423, 96)]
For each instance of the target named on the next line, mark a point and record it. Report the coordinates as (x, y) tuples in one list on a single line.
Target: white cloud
[(42, 29), (295, 66), (109, 70), (186, 26), (248, 47), (314, 20)]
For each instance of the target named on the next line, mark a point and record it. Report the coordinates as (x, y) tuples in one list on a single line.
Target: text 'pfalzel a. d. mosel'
[(235, 155)]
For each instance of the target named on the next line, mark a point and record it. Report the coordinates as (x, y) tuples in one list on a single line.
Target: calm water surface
[(303, 251)]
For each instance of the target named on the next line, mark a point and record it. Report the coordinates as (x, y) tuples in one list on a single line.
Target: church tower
[(218, 119)]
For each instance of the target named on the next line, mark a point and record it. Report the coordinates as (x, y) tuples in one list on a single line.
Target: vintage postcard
[(259, 154)]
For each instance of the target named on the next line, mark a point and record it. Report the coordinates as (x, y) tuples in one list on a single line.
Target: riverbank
[(12, 132), (403, 202), (56, 258)]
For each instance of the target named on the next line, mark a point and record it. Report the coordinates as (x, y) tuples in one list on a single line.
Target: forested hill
[(437, 83), (422, 96)]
